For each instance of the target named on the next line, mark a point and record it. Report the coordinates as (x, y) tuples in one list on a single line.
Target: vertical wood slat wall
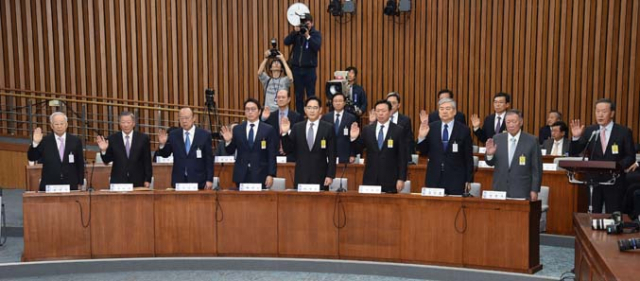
[(548, 54)]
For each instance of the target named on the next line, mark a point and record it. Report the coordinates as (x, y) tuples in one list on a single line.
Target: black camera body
[(274, 48), (303, 24), (617, 226)]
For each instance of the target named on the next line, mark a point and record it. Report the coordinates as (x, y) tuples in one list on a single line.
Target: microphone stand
[(212, 109), (586, 148), (344, 169)]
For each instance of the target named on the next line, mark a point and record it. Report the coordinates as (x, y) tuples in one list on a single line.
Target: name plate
[(164, 160), (498, 195), (549, 167), (225, 159), (191, 186), (303, 187), (281, 159), (483, 164), (121, 187), (58, 188), (250, 187), (429, 191), (482, 150), (370, 189)]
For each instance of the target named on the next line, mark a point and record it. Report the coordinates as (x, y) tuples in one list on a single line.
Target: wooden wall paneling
[(634, 69)]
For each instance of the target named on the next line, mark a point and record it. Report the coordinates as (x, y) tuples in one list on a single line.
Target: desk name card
[(498, 195), (191, 186), (370, 189), (303, 187), (250, 187), (121, 187), (224, 159), (58, 188), (436, 192)]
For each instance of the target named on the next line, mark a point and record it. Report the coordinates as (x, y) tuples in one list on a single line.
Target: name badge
[(121, 187), (302, 187), (454, 147), (390, 143), (250, 187), (370, 189), (58, 188), (345, 131), (72, 159), (323, 144), (224, 159), (614, 148), (263, 144), (198, 153), (191, 186), (490, 194), (435, 192), (523, 160)]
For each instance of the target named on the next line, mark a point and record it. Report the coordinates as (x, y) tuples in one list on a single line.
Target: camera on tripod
[(274, 48)]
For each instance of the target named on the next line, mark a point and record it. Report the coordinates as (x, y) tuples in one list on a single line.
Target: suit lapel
[(67, 148)]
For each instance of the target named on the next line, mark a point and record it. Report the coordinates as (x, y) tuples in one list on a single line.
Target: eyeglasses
[(251, 109), (312, 107)]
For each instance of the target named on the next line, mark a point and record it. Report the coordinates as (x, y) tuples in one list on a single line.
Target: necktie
[(603, 140), (187, 142), (381, 137), (310, 136), (61, 149), (445, 136), (554, 151), (280, 119), (512, 149), (497, 129), (251, 136), (127, 145), (336, 125)]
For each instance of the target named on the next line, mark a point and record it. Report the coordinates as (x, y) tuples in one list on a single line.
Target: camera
[(617, 226), (629, 244), (304, 18), (274, 48)]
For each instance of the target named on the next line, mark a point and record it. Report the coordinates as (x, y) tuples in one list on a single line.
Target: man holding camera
[(305, 41), (276, 81)]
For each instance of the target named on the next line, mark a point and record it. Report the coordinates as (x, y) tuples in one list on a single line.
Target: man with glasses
[(283, 97), (314, 144), (255, 144), (494, 123)]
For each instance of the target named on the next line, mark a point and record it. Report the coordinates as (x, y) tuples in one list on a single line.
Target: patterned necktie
[(310, 136), (381, 137), (512, 149), (61, 149), (445, 136), (498, 125), (187, 142), (336, 125), (603, 139), (127, 145)]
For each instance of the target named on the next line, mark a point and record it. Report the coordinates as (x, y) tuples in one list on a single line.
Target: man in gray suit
[(558, 144), (517, 160)]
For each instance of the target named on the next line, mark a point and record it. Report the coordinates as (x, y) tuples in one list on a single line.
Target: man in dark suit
[(130, 152), (60, 154), (341, 121), (355, 94), (274, 118), (448, 145), (386, 163), (435, 115), (314, 144), (192, 152), (256, 145), (494, 123), (403, 121), (610, 142), (517, 160), (558, 144), (545, 132)]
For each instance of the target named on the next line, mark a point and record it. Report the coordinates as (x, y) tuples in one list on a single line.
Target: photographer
[(276, 81), (306, 42)]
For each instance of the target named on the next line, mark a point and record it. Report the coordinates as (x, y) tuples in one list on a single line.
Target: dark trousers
[(610, 195), (304, 80)]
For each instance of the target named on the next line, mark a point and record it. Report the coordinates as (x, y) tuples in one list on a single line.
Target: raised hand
[(102, 143), (491, 147), (424, 129), (227, 135), (355, 131), (475, 121), (424, 116), (37, 135), (162, 137), (285, 125), (265, 113), (577, 128), (267, 53), (372, 116)]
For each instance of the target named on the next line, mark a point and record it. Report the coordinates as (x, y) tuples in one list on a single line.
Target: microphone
[(93, 166), (216, 188), (584, 152), (344, 169)]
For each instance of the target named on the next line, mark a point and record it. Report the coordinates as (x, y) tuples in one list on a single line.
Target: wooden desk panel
[(185, 223), (122, 224), (53, 226)]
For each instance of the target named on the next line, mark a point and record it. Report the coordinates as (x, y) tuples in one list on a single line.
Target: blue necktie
[(251, 136), (336, 125), (187, 142), (445, 137), (381, 137)]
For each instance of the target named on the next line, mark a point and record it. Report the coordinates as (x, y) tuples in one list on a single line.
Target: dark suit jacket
[(274, 121), (137, 168), (434, 116), (488, 129), (447, 169), (253, 163), (620, 135), (387, 165), (518, 180), (544, 134), (405, 122), (548, 145), (359, 98), (314, 165), (198, 170), (55, 171), (343, 143)]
